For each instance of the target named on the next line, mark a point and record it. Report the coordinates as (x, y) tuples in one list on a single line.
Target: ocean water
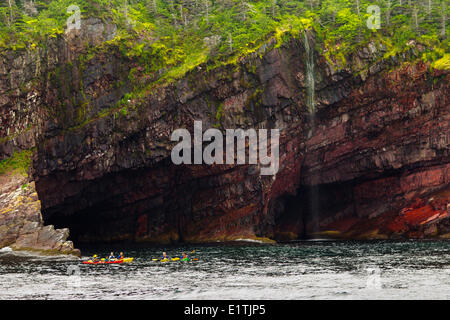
[(241, 270)]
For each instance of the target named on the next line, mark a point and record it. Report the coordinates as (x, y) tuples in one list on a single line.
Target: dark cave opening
[(174, 204), (121, 206), (302, 216), (110, 208)]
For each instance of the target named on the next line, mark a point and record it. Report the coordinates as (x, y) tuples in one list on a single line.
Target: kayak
[(174, 259), (167, 260), (109, 262)]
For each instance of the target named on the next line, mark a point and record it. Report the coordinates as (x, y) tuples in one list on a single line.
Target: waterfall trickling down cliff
[(309, 61), (313, 192)]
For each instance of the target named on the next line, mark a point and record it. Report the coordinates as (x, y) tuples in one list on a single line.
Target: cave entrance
[(303, 215), (122, 206)]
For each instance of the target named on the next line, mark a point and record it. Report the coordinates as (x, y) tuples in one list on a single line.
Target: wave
[(248, 240)]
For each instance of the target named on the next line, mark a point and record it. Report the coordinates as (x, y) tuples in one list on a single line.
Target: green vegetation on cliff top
[(169, 38), (172, 37)]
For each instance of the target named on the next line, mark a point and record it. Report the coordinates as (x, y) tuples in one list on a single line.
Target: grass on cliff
[(19, 162), (442, 63)]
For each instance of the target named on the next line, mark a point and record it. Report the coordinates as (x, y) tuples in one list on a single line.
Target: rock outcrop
[(21, 224)]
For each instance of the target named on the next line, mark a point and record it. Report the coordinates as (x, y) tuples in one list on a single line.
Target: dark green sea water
[(245, 270)]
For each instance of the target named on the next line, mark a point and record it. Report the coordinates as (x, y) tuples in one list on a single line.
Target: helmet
[(95, 256)]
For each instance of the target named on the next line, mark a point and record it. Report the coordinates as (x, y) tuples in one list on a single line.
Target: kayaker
[(184, 257), (120, 256), (111, 257), (94, 258), (164, 256)]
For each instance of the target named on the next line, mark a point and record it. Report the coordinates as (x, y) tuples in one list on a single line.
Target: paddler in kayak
[(120, 256), (184, 257), (94, 258), (111, 257), (164, 257)]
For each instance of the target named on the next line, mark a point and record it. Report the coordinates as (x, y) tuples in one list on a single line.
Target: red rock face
[(423, 218), (391, 151), (378, 140)]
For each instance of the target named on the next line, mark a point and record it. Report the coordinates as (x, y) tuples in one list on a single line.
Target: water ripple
[(304, 270)]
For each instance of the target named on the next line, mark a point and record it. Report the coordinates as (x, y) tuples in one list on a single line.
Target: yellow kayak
[(167, 260), (174, 259)]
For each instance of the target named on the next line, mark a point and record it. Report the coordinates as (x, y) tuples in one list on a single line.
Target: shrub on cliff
[(19, 162)]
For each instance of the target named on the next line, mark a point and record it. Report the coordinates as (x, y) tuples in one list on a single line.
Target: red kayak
[(108, 262)]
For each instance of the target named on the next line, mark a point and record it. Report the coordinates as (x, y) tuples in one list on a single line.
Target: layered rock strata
[(375, 145)]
